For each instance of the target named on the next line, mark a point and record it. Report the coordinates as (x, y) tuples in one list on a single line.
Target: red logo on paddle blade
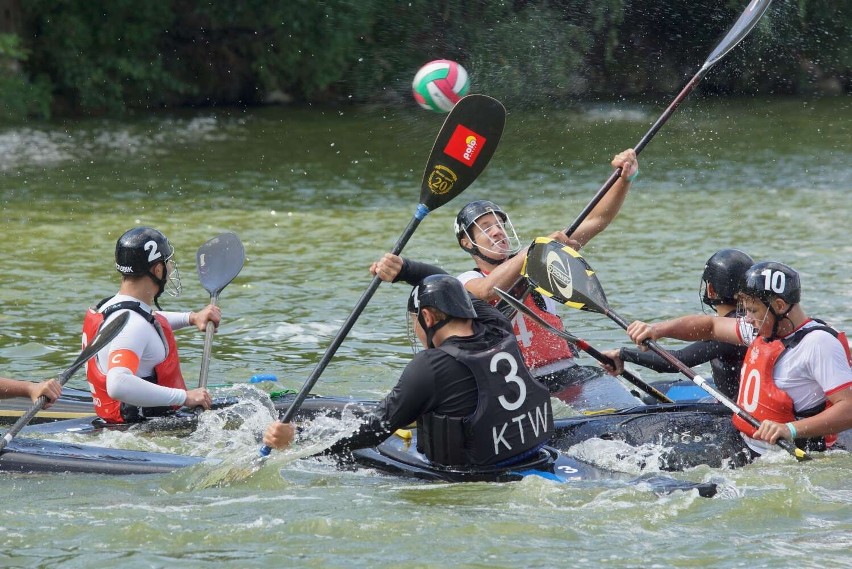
[(465, 145)]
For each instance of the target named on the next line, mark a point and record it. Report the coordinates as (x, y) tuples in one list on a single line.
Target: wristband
[(633, 176), (793, 432)]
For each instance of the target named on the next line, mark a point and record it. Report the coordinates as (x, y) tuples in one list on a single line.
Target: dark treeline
[(85, 56)]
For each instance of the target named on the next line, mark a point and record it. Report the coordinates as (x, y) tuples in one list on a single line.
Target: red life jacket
[(760, 396), (540, 346), (167, 373)]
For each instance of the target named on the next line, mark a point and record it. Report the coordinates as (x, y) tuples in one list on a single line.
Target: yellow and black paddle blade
[(560, 272)]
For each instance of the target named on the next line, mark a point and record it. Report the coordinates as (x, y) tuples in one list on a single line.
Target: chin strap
[(430, 332), (161, 283), (778, 319)]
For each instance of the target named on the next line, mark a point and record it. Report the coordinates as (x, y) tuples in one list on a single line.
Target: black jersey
[(437, 384)]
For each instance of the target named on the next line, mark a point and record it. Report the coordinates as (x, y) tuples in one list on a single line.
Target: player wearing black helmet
[(724, 275), (139, 374), (796, 376), (474, 401), (485, 231), (141, 249)]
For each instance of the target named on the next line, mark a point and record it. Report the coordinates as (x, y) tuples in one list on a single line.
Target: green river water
[(315, 195)]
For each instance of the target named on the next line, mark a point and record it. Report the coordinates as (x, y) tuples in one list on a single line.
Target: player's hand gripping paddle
[(219, 261), (741, 28), (100, 341)]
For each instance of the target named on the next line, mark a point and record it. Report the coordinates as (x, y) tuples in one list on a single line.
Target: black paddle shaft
[(585, 346), (104, 336), (741, 28), (464, 146)]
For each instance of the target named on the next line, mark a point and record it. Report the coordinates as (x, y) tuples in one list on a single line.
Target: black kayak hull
[(185, 420), (37, 455), (398, 456), (691, 434)]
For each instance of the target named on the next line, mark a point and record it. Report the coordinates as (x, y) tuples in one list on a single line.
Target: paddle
[(101, 340), (741, 28), (219, 261), (562, 274), (583, 345), (465, 144)]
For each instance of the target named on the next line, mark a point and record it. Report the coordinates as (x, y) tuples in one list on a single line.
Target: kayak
[(586, 388), (72, 404), (398, 456), (679, 391), (36, 455), (590, 388), (185, 420), (687, 434)]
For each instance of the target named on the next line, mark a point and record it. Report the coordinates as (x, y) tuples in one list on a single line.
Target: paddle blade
[(559, 272), (101, 340), (741, 28), (464, 147), (219, 261)]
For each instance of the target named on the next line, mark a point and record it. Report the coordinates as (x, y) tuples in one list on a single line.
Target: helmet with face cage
[(726, 271), (767, 280), (467, 218), (473, 211), (139, 249), (443, 292)]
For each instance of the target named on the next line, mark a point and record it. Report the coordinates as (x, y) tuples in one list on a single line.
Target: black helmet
[(473, 211), (468, 217), (725, 270), (768, 279), (444, 292), (139, 249)]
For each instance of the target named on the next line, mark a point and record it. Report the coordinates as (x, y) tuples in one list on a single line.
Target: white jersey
[(810, 371), (143, 339)]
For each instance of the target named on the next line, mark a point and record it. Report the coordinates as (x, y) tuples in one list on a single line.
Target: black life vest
[(513, 416)]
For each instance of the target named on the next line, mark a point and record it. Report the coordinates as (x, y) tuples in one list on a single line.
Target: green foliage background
[(86, 56)]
